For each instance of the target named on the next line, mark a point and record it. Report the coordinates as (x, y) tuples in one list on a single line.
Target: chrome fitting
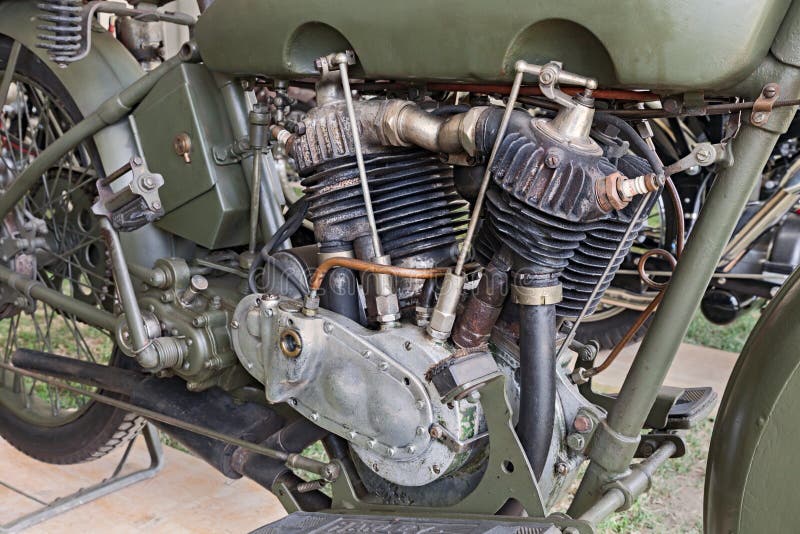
[(536, 296), (382, 290), (444, 314)]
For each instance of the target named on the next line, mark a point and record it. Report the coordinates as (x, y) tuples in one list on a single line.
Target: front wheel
[(41, 420)]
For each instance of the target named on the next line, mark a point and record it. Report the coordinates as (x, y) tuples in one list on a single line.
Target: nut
[(576, 442)]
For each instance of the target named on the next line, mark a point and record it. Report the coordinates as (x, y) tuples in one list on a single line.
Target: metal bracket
[(702, 155), (651, 442), (442, 434), (134, 204), (110, 485), (762, 107), (508, 473)]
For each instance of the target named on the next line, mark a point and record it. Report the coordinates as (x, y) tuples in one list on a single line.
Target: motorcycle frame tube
[(615, 441)]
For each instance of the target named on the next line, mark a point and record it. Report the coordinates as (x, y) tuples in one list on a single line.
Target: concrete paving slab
[(189, 496), (694, 366), (186, 496)]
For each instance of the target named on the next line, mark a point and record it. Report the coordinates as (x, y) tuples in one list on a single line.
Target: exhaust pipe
[(212, 409)]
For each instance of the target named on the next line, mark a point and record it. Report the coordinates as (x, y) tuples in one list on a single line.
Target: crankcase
[(366, 386)]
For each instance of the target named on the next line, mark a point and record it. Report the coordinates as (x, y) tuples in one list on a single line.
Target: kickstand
[(111, 484)]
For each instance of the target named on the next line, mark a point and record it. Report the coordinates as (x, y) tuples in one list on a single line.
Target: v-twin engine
[(393, 363)]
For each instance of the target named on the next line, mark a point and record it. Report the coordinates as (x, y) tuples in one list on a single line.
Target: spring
[(63, 23)]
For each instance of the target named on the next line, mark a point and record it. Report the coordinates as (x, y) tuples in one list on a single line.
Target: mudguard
[(108, 68), (753, 465)]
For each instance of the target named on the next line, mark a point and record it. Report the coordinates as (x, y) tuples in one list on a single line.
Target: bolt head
[(410, 449), (327, 327), (769, 92), (420, 430), (562, 468), (759, 116), (314, 416), (583, 424), (420, 405), (234, 324), (436, 432)]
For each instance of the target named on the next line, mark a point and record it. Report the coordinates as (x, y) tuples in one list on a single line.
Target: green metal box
[(204, 202)]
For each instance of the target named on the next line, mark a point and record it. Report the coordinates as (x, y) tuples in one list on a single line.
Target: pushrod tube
[(614, 445)]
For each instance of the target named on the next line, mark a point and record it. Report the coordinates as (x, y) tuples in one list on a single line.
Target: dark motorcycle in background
[(764, 249)]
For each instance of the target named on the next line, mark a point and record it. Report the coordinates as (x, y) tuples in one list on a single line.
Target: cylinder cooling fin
[(538, 209), (417, 208)]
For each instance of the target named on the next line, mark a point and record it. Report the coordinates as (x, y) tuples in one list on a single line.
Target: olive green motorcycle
[(379, 226)]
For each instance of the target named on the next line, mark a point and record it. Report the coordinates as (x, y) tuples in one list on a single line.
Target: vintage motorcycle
[(473, 176)]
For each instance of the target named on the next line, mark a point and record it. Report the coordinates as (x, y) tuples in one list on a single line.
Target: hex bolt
[(576, 442), (703, 155), (583, 424), (314, 416), (436, 432), (371, 444), (562, 468), (436, 469), (148, 183), (410, 449)]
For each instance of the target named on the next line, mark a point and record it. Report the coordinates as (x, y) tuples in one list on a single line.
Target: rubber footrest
[(316, 522), (694, 405)]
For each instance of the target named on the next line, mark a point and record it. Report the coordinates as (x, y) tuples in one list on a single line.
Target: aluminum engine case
[(366, 386)]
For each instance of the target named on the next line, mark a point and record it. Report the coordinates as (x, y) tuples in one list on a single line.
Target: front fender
[(107, 69), (753, 464)]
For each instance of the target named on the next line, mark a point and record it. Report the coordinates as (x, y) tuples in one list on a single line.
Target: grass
[(729, 337)]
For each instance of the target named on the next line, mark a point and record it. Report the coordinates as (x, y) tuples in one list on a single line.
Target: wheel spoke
[(62, 198)]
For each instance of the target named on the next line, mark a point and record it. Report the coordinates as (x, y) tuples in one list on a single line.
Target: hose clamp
[(536, 296)]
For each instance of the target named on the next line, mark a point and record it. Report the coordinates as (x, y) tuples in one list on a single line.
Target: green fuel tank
[(669, 46)]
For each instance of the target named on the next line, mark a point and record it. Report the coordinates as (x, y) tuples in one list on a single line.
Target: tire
[(91, 429), (608, 332)]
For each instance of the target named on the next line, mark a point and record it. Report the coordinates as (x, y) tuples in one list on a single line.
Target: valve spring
[(417, 209), (63, 23)]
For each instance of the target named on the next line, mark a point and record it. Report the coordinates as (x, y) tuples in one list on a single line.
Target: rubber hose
[(537, 378)]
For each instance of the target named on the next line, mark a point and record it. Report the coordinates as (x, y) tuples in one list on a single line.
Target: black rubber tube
[(340, 293), (537, 377)]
